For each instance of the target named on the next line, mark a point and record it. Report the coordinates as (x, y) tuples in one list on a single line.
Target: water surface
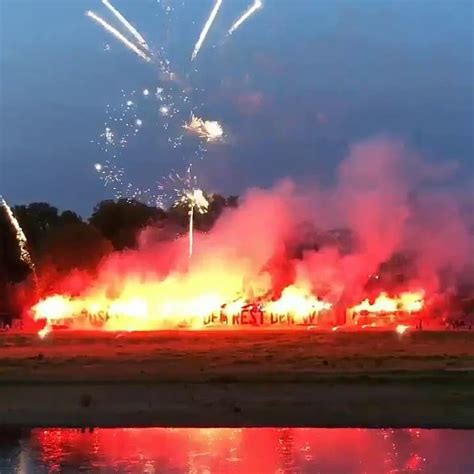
[(230, 450)]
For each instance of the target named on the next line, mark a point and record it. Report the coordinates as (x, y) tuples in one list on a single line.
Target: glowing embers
[(210, 130)]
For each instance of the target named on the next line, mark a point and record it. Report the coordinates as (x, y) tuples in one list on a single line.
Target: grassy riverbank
[(241, 378)]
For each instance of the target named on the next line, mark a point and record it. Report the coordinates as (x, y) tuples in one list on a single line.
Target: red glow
[(265, 450), (285, 257), (294, 307), (408, 302)]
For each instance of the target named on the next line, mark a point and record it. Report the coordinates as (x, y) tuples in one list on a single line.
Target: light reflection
[(232, 450)]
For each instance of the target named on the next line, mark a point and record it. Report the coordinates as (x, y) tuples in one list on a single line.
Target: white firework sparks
[(211, 130), (206, 28), (127, 25), (257, 4), (114, 32), (108, 135), (124, 122), (195, 199), (20, 236)]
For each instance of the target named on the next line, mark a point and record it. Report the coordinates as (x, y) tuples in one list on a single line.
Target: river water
[(231, 450)]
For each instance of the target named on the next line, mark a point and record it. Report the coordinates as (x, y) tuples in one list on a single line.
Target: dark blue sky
[(294, 87)]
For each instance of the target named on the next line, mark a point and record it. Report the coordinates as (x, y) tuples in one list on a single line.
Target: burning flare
[(163, 306), (401, 329), (386, 309), (408, 302), (296, 302)]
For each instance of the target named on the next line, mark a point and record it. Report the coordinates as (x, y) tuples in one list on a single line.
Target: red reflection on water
[(265, 450)]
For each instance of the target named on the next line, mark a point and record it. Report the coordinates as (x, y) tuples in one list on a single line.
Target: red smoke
[(321, 242)]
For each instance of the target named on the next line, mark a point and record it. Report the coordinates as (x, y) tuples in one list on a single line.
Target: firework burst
[(168, 107), (210, 130)]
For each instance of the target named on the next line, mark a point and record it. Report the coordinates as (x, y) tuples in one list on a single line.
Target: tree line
[(63, 241), (60, 242)]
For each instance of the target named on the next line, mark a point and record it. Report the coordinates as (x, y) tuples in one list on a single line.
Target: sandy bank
[(238, 379), (329, 404)]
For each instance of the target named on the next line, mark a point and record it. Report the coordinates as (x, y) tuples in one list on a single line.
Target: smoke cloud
[(387, 216)]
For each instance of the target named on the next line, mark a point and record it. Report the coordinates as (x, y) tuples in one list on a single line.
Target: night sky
[(294, 87)]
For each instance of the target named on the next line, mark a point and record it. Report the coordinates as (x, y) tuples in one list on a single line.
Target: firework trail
[(206, 28), (257, 4), (197, 203), (191, 196), (20, 236), (114, 32), (127, 25)]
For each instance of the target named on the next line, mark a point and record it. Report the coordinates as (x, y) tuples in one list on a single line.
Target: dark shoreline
[(304, 404)]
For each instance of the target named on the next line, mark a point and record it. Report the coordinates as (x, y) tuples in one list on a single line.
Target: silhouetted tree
[(232, 201), (69, 217), (77, 245), (217, 204), (120, 221), (63, 242), (36, 220), (178, 215)]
